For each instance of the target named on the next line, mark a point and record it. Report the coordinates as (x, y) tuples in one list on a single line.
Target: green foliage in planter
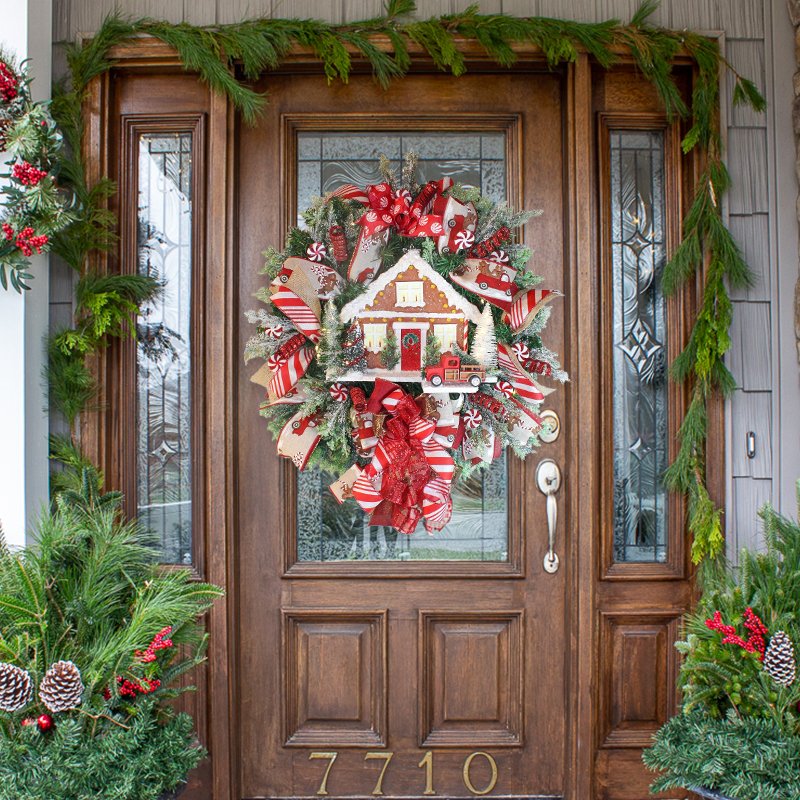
[(739, 732), (719, 677), (746, 759), (90, 592), (139, 762)]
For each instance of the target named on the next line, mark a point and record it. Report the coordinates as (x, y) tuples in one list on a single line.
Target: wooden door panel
[(334, 680), (471, 679)]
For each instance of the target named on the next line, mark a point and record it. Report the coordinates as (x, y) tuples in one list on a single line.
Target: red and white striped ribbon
[(525, 386), (525, 306), (305, 320), (290, 372)]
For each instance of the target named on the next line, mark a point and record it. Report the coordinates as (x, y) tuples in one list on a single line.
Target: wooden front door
[(371, 663)]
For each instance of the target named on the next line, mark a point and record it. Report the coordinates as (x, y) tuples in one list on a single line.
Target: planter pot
[(710, 794)]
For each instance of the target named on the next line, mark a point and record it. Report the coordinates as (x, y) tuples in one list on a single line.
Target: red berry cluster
[(25, 239), (8, 83), (755, 642), (27, 174), (160, 642), (128, 688)]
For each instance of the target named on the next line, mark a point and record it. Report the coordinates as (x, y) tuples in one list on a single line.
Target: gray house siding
[(754, 148)]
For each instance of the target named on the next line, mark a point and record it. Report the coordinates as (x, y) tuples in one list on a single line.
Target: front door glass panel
[(326, 530)]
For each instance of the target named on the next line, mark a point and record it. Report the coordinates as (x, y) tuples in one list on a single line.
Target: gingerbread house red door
[(410, 349)]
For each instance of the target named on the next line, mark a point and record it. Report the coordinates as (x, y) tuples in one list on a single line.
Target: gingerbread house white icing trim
[(413, 258)]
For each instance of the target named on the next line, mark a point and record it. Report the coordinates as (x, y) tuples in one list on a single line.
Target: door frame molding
[(219, 480)]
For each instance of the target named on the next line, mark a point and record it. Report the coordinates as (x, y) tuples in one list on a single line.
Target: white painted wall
[(26, 31)]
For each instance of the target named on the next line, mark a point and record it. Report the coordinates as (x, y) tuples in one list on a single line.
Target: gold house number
[(427, 764)]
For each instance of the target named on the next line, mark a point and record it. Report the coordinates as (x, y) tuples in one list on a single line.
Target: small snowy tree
[(433, 350), (390, 352), (484, 341), (353, 355), (329, 348)]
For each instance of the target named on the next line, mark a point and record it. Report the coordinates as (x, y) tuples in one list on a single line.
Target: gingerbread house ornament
[(401, 308)]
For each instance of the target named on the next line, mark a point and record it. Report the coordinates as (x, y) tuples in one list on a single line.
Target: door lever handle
[(548, 479)]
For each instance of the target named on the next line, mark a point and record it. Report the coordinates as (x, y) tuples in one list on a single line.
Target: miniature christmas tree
[(390, 353), (484, 342), (353, 356), (329, 349), (433, 351)]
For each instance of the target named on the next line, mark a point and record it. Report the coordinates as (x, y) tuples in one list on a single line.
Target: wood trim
[(220, 487), (675, 565), (581, 481), (145, 51)]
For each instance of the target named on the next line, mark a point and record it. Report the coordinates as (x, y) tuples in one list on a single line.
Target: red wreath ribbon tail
[(366, 491), (289, 373), (437, 505), (527, 388), (380, 214), (526, 305)]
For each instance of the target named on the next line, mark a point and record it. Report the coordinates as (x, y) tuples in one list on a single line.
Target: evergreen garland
[(219, 54)]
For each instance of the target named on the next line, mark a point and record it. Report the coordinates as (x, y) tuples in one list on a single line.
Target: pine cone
[(61, 688), (779, 659), (16, 687)]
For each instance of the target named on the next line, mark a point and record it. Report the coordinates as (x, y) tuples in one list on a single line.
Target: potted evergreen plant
[(93, 636), (738, 735)]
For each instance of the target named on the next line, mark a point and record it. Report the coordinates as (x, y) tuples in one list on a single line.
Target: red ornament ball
[(45, 722)]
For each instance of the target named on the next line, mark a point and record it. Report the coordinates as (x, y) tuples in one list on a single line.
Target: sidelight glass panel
[(640, 365), (163, 344), (327, 531)]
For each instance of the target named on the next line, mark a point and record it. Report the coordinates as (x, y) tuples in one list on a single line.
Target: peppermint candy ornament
[(505, 388), (499, 256), (274, 362), (316, 251), (274, 331), (521, 351), (473, 418), (338, 392), (464, 240)]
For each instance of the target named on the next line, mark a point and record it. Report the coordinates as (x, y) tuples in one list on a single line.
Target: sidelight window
[(163, 376), (638, 253)]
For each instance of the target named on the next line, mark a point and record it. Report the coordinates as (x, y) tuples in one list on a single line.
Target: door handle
[(548, 479)]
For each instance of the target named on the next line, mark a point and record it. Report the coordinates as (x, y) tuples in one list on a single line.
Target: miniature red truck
[(495, 276), (450, 370)]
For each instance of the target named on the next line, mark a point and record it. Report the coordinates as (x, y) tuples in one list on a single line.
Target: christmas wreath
[(33, 208), (402, 343)]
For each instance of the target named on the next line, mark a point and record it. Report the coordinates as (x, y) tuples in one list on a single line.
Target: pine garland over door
[(221, 54)]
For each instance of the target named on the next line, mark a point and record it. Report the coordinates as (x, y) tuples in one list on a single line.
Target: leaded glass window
[(164, 243), (639, 354), (327, 531)]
